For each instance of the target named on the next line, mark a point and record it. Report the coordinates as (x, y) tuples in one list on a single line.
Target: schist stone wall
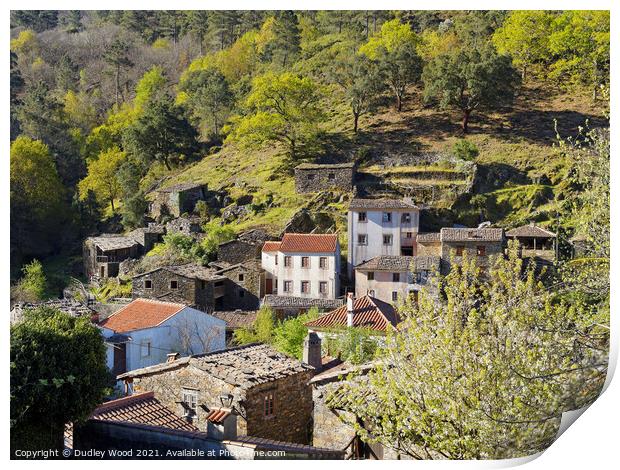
[(310, 178), (292, 417), (238, 251), (243, 287)]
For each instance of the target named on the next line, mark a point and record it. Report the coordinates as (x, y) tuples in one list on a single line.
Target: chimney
[(224, 426), (350, 312), (312, 351), (172, 357)]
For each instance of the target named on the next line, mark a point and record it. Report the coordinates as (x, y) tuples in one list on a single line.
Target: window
[(311, 177), (409, 235), (189, 401), (288, 286), (394, 296), (481, 250), (361, 217), (268, 404), (203, 284), (387, 217), (387, 239), (395, 277), (323, 262), (406, 218), (145, 349), (174, 284), (287, 261), (305, 287), (323, 287), (148, 284), (241, 277), (305, 262), (331, 177), (362, 239), (370, 276), (459, 250), (276, 260)]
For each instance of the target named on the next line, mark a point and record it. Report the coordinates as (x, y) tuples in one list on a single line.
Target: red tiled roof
[(218, 415), (142, 408), (368, 313), (141, 313), (308, 243), (271, 246)]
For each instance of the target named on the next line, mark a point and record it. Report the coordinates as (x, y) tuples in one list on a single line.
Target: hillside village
[(310, 291)]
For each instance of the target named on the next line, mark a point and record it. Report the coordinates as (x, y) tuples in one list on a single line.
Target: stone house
[(381, 227), (244, 285), (247, 246), (176, 200), (535, 243), (148, 236), (314, 177), (191, 284), (393, 278), (69, 306), (185, 225), (450, 244), (142, 421), (266, 390), (103, 254), (303, 265), (144, 331)]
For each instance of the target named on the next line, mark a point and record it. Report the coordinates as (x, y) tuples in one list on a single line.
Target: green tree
[(353, 345), (470, 79), (283, 108), (161, 133), (215, 234), (74, 22), (289, 334), (286, 44), (208, 97), (260, 332), (102, 177), (465, 150), (525, 37), (117, 56), (58, 375), (394, 48), (135, 205), (483, 371), (198, 25), (33, 285)]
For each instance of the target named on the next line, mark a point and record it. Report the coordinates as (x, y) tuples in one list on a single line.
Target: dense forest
[(107, 105)]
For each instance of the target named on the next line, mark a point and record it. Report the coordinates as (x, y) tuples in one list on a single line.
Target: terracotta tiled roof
[(530, 230), (431, 237), (472, 234), (140, 314), (368, 313), (218, 415), (243, 366), (237, 318), (142, 408), (386, 263), (382, 204), (308, 243), (271, 246)]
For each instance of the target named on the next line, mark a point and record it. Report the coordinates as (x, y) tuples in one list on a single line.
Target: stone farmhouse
[(265, 390), (142, 421), (314, 177), (393, 278), (176, 200), (243, 287), (303, 265), (381, 227), (189, 284), (247, 246), (535, 243), (145, 331)]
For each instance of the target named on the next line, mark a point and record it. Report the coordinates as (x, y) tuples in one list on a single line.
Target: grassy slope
[(516, 149)]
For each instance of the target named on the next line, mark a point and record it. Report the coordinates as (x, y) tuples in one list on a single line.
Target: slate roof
[(243, 366), (260, 443), (530, 230), (326, 166), (472, 234), (271, 246), (429, 237), (386, 263), (308, 243), (70, 306), (190, 270), (368, 313), (425, 263), (140, 314), (359, 203), (287, 301), (107, 242), (142, 408), (236, 318), (180, 187)]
